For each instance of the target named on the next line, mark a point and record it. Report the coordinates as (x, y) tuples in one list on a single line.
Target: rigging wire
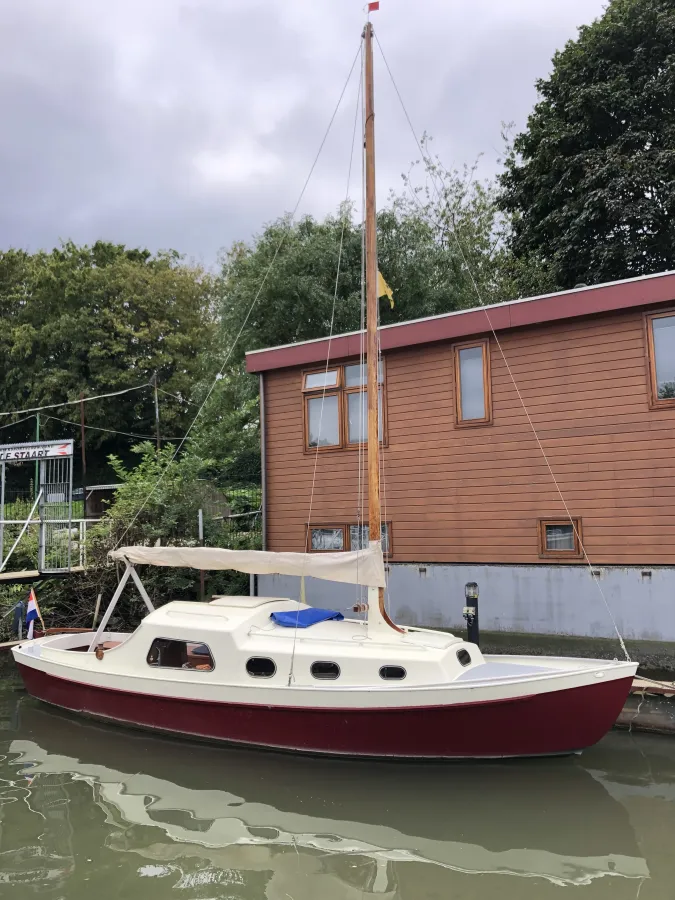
[(150, 437), (35, 409), (18, 422), (506, 363), (252, 306), (176, 397), (330, 338)]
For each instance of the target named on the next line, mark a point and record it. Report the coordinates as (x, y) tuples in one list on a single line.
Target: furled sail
[(365, 567)]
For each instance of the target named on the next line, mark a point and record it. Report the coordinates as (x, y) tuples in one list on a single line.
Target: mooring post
[(471, 613)]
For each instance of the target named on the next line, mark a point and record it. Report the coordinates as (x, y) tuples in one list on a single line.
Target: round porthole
[(326, 671), (261, 667), (464, 657), (392, 673)]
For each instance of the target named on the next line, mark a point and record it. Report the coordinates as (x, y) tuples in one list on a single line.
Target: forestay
[(364, 567)]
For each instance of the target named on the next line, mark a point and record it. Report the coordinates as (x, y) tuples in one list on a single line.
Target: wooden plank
[(480, 489)]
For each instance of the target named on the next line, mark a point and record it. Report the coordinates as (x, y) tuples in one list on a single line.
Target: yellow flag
[(383, 289)]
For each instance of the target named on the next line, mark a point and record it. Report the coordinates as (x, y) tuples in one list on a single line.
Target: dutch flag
[(32, 613)]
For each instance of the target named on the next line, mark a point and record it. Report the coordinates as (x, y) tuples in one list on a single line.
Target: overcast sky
[(190, 123)]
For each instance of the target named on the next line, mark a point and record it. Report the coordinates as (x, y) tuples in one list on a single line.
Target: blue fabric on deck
[(303, 618)]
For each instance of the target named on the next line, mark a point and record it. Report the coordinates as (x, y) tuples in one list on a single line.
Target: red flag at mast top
[(373, 6)]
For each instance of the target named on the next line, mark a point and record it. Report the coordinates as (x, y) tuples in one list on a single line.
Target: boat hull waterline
[(539, 724)]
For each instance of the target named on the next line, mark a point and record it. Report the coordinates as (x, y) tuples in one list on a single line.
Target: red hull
[(554, 723)]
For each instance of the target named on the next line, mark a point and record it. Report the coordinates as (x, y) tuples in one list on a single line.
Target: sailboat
[(276, 673)]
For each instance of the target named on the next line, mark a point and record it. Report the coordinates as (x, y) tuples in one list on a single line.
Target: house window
[(315, 381), (473, 403), (168, 654), (336, 407), (324, 538), (323, 421), (560, 538), (359, 536), (327, 538), (661, 342)]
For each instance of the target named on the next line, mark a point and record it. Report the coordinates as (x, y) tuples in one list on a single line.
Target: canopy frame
[(129, 572)]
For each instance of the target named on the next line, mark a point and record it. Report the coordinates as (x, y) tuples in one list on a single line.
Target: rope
[(508, 367), (323, 393), (254, 302), (664, 684)]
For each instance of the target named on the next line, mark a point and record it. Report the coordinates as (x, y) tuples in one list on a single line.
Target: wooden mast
[(374, 508)]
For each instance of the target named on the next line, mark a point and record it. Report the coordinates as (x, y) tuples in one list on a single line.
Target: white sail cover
[(364, 567)]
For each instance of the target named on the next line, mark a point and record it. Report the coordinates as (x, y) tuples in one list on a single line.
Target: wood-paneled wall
[(475, 494)]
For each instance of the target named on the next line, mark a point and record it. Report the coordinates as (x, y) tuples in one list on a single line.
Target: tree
[(158, 501), (590, 184), (432, 244), (99, 319)]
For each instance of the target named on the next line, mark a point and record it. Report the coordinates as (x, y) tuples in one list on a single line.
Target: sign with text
[(36, 450)]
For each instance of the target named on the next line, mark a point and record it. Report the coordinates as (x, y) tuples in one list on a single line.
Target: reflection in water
[(85, 808)]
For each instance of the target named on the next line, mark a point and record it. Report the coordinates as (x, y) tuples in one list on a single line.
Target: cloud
[(191, 123)]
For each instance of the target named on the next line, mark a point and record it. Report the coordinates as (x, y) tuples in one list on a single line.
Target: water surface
[(89, 811)]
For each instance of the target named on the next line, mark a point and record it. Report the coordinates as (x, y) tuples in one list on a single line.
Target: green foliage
[(590, 184), (285, 281), (295, 293), (99, 319), (227, 433), (158, 501)]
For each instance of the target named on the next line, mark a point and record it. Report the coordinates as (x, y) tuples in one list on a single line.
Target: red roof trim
[(606, 298)]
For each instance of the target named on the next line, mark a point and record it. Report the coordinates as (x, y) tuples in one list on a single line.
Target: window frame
[(267, 659), (318, 394), (325, 662), (484, 344), (544, 553), (653, 387), (315, 526), (340, 391), (393, 666), (180, 668), (346, 536), (322, 371)]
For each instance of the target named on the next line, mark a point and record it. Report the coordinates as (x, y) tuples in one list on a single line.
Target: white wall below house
[(535, 599)]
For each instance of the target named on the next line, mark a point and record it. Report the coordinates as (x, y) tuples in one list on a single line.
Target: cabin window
[(661, 343), (560, 538), (473, 404), (392, 673), (261, 667), (464, 657), (169, 654), (325, 671), (331, 538), (336, 407)]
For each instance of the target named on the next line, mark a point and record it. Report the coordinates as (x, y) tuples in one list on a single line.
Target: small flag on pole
[(373, 6), (32, 613), (383, 289)]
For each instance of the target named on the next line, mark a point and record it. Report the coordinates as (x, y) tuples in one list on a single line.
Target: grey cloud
[(191, 123)]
